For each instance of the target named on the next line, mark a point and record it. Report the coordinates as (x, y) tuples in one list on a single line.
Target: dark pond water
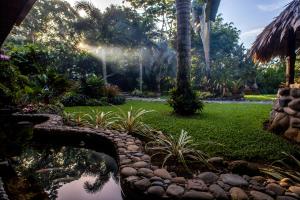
[(55, 166), (70, 173)]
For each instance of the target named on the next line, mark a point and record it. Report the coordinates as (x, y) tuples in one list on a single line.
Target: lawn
[(233, 130), (261, 97)]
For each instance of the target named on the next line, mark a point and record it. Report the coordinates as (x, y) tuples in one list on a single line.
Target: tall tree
[(183, 99), (50, 22)]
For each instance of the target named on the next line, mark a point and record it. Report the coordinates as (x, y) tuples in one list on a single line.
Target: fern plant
[(101, 119), (181, 149), (131, 122)]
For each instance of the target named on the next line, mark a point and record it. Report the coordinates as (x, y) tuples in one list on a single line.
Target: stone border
[(285, 115), (142, 180)]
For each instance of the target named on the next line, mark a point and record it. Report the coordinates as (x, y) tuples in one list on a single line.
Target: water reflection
[(71, 173)]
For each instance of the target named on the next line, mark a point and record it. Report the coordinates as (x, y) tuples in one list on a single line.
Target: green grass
[(261, 97), (238, 127)]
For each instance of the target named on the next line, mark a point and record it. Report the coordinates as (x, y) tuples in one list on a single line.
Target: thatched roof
[(12, 12), (273, 41)]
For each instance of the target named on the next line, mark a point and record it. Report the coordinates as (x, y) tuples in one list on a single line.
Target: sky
[(249, 16)]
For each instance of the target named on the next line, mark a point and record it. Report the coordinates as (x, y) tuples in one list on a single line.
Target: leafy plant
[(68, 117), (111, 91), (101, 119), (290, 168), (180, 149), (185, 103), (80, 119), (131, 122)]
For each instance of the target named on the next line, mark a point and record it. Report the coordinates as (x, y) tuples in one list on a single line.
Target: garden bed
[(141, 179)]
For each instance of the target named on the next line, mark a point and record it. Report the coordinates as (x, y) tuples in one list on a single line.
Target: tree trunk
[(141, 70), (291, 60), (183, 8), (104, 70)]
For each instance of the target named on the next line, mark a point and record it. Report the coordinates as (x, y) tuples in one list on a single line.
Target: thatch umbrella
[(281, 38)]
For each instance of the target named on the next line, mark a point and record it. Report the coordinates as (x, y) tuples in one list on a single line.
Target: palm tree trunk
[(183, 8), (104, 70), (141, 70)]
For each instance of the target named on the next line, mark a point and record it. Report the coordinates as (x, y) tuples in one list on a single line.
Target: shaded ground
[(231, 130)]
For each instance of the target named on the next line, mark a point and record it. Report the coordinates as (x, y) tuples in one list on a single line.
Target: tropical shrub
[(101, 119), (13, 85), (92, 87), (111, 91), (73, 99), (185, 103), (204, 95), (97, 102), (131, 122), (181, 150)]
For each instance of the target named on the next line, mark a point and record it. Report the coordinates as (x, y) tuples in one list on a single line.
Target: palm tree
[(183, 99), (183, 9)]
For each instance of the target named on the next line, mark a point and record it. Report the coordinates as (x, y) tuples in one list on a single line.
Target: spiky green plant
[(68, 117), (131, 122), (80, 119), (181, 149), (101, 119), (288, 167)]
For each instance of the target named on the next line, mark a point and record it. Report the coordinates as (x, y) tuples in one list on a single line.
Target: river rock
[(162, 173), (243, 167), (175, 190), (295, 189), (218, 192), (196, 184), (208, 177), (291, 133), (277, 189), (284, 91), (238, 194), (145, 172), (140, 164), (284, 101), (179, 180), (234, 180), (295, 122), (295, 92), (289, 111), (295, 104), (128, 171), (260, 196), (156, 191), (133, 148), (142, 184), (216, 160), (285, 198), (192, 194)]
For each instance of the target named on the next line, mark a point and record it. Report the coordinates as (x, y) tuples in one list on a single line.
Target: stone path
[(206, 101)]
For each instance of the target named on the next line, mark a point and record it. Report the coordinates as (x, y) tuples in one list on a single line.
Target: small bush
[(117, 100), (204, 95), (92, 87), (112, 91), (185, 102), (97, 102), (137, 93), (74, 100)]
